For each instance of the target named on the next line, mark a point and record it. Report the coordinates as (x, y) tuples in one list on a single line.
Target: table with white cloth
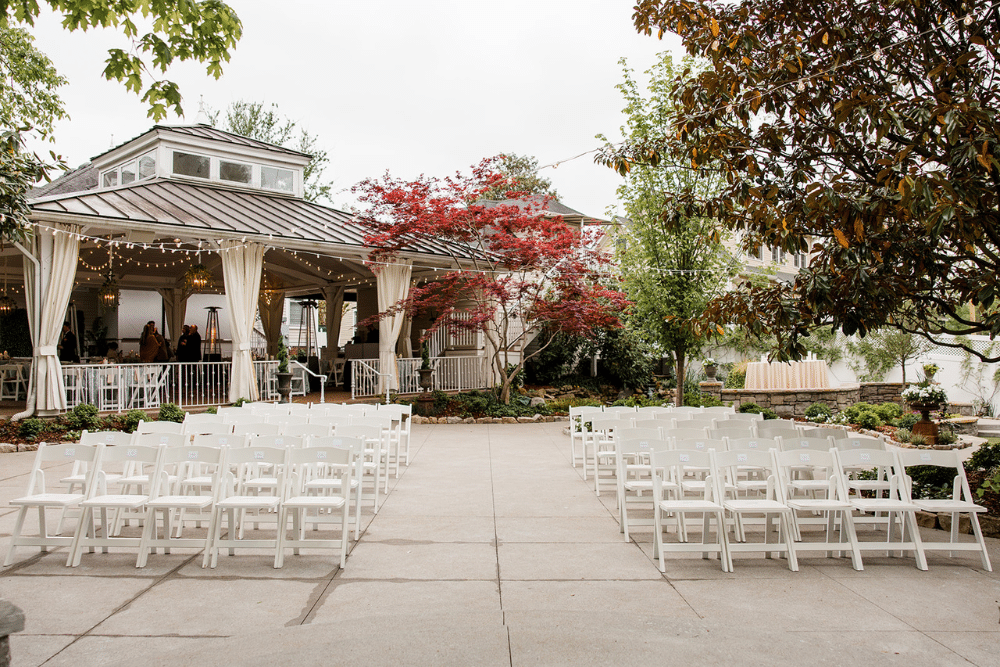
[(787, 375)]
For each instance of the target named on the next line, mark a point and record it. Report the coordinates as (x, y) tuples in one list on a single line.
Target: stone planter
[(710, 372), (284, 386), (925, 426), (426, 381)]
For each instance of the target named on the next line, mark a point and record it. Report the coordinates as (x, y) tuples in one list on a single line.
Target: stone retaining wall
[(789, 403)]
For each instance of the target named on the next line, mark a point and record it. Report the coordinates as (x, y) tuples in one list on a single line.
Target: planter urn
[(925, 426), (284, 386), (710, 372)]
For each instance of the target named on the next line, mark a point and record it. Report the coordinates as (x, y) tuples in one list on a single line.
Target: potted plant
[(425, 371), (708, 363), (930, 370), (284, 377), (924, 398)]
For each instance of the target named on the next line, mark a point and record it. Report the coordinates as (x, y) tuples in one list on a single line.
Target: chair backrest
[(855, 441), (820, 432), (207, 428), (637, 433), (685, 433), (696, 421), (873, 458), (609, 424), (113, 438), (720, 410), (277, 440), (232, 410), (159, 427), (367, 432), (225, 440), (686, 410), (299, 409), (190, 460), (789, 442), (823, 464), (162, 439), (734, 463), (395, 409), (255, 428), (315, 430), (202, 418), (247, 462), (619, 409), (630, 446), (942, 459), (576, 412), (762, 444), (129, 458), (64, 453), (699, 444), (672, 463), (282, 419), (325, 462), (727, 430), (651, 423), (747, 416), (772, 427)]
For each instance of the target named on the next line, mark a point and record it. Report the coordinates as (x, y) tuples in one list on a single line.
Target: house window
[(188, 164), (777, 256), (234, 171), (109, 179), (147, 165), (801, 260), (272, 178)]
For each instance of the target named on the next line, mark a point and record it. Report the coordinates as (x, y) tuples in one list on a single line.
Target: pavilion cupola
[(203, 154)]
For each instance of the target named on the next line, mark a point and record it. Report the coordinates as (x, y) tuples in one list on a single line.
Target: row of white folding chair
[(167, 494)]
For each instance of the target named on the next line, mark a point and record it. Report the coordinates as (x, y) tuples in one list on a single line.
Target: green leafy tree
[(264, 122), (204, 31), (876, 354), (670, 270), (524, 170), (868, 134)]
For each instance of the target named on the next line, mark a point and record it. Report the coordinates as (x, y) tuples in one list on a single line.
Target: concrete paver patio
[(491, 549)]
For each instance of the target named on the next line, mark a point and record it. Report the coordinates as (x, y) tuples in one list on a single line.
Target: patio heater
[(307, 331), (213, 344)]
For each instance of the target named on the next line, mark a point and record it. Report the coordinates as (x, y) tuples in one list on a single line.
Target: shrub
[(170, 412), (917, 439), (987, 457), (889, 412), (737, 377), (931, 481), (626, 359), (868, 419), (850, 415), (906, 421), (72, 436), (130, 421), (753, 407), (903, 434), (555, 361), (31, 428), (564, 404), (819, 413), (698, 399), (946, 437), (214, 410), (240, 401), (83, 417)]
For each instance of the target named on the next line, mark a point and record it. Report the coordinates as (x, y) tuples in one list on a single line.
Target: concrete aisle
[(492, 550)]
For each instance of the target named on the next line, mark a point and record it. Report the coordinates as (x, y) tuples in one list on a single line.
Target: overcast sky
[(410, 87)]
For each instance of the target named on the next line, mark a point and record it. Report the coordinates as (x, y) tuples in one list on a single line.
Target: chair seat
[(818, 504), (314, 501), (948, 506), (50, 499), (810, 484), (689, 506), (184, 502), (123, 501), (79, 479), (197, 481), (645, 485), (883, 505), (247, 502), (868, 484), (755, 504), (262, 483), (143, 479)]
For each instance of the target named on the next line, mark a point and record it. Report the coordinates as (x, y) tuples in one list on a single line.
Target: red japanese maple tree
[(525, 271)]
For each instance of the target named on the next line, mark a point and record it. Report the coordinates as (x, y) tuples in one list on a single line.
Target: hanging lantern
[(198, 278), (109, 293), (7, 304)]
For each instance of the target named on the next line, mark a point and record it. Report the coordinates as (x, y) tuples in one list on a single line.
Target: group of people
[(154, 349)]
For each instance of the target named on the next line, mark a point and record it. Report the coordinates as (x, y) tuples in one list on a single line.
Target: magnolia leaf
[(715, 27), (841, 238)]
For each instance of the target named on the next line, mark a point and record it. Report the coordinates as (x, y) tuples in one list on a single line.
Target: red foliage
[(519, 262)]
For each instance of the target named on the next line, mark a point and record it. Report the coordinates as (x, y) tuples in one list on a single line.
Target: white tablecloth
[(788, 375)]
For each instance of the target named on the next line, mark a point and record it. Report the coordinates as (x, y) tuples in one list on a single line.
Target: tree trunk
[(679, 391)]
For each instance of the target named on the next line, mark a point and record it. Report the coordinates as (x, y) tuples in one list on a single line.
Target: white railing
[(450, 374), (120, 387)]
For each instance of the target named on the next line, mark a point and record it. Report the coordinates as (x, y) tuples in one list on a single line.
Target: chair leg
[(15, 535), (279, 549)]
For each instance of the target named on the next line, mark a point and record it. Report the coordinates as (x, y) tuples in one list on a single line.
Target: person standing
[(183, 351), (150, 343), (194, 344), (68, 353)]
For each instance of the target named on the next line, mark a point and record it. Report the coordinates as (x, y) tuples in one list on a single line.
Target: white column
[(393, 284), (241, 270)]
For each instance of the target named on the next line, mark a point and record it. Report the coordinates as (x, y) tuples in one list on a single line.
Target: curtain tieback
[(244, 346), (48, 351)]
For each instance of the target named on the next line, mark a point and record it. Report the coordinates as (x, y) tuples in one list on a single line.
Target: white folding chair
[(720, 411), (189, 460), (577, 432), (820, 432), (311, 464), (835, 502), (746, 416), (374, 440), (765, 497), (43, 496), (961, 501), (78, 474), (669, 465), (159, 427), (600, 439), (255, 428), (727, 429), (772, 428), (635, 486), (200, 427), (895, 503), (399, 432), (357, 447), (131, 500), (304, 430), (760, 444), (235, 500)]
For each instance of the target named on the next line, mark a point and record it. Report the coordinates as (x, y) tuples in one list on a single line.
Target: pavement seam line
[(167, 575)]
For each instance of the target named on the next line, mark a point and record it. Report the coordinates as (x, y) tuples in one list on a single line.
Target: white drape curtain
[(241, 271), (175, 308), (271, 307), (57, 254), (393, 284), (334, 297)]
